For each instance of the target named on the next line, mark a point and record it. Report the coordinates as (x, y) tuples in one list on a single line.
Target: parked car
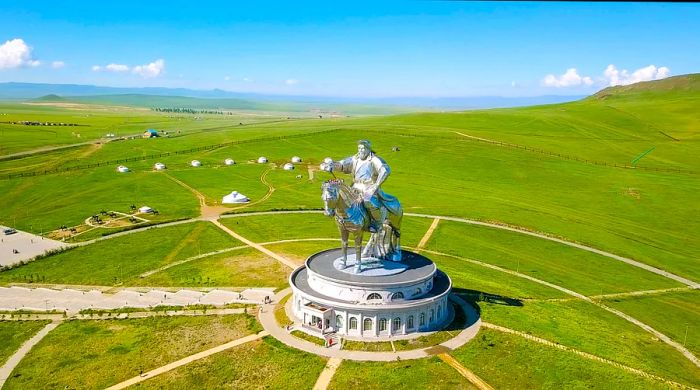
[(9, 231)]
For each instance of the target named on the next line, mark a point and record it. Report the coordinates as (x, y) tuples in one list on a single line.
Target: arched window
[(373, 296), (397, 324), (382, 325), (353, 323), (409, 322), (367, 324), (338, 322), (432, 316), (396, 295), (439, 312), (417, 292), (421, 322)]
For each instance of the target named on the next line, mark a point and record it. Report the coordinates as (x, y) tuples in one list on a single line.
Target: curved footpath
[(268, 321)]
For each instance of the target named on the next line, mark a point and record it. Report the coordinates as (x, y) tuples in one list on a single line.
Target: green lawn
[(14, 334), (276, 227), (677, 315), (240, 268), (578, 270), (429, 373), (265, 363), (124, 258), (97, 354), (509, 361), (583, 326)]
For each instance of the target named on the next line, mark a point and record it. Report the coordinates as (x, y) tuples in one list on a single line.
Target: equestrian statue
[(364, 206)]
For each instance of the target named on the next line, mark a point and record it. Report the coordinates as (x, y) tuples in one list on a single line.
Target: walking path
[(268, 321), (583, 354), (471, 377), (327, 374), (26, 244), (259, 247), (125, 315), (70, 300), (14, 360), (424, 241), (189, 359), (689, 355)]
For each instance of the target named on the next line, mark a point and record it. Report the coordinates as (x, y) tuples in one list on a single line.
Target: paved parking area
[(28, 246)]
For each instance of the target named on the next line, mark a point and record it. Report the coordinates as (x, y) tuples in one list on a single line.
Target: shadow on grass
[(475, 296)]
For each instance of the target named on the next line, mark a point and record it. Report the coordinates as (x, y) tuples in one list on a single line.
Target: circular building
[(262, 160), (385, 299), (229, 161), (296, 159), (122, 169), (288, 167), (196, 163), (159, 166)]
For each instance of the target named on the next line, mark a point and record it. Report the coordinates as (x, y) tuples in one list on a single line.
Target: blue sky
[(363, 49)]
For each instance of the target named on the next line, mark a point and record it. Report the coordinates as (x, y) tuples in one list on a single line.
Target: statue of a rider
[(369, 171)]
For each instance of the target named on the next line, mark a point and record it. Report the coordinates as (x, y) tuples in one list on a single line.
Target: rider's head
[(364, 147)]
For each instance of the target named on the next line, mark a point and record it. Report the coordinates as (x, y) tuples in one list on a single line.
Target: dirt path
[(424, 241), (259, 247), (327, 374), (583, 354), (14, 360), (206, 212), (189, 359), (471, 377)]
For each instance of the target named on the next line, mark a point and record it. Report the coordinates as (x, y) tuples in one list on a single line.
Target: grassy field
[(676, 315), (549, 169), (508, 361), (422, 374), (121, 259), (14, 334), (265, 363), (97, 354)]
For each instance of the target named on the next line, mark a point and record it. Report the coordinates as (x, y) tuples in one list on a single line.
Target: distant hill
[(49, 98), (689, 83), (15, 91)]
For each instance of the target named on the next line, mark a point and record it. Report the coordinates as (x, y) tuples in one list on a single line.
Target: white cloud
[(96, 68), (227, 78), (117, 68), (15, 53), (291, 81), (247, 79), (154, 69), (58, 64), (570, 78), (612, 76)]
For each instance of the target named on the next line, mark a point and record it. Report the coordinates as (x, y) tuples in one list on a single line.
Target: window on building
[(367, 324), (432, 316), (421, 322), (373, 296), (338, 322), (382, 325), (353, 323), (417, 292), (396, 295), (397, 324), (409, 322)]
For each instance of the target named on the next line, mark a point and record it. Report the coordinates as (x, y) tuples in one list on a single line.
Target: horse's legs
[(358, 249), (344, 235)]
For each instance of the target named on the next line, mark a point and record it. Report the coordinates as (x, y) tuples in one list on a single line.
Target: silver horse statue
[(345, 203)]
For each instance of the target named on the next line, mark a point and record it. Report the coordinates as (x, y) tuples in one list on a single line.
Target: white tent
[(262, 160), (288, 167), (159, 166), (235, 197), (122, 169), (229, 161), (296, 159), (196, 163), (145, 209)]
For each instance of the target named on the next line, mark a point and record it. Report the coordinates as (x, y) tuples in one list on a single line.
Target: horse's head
[(330, 194)]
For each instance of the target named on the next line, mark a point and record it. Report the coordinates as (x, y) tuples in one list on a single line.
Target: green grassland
[(583, 326), (649, 216), (265, 363), (672, 314), (14, 333), (97, 354), (422, 374), (508, 361), (121, 259), (239, 268)]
